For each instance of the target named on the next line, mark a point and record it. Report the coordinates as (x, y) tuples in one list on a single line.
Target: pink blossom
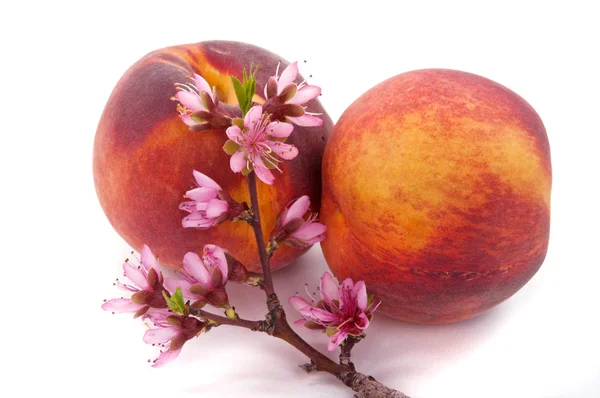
[(170, 334), (285, 98), (147, 287), (293, 230), (257, 144), (204, 278), (344, 309), (199, 105), (206, 208)]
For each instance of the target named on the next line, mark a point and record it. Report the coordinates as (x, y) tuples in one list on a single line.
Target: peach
[(436, 193), (144, 154)]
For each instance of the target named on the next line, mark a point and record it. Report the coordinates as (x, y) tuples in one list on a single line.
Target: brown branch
[(276, 325), (257, 326)]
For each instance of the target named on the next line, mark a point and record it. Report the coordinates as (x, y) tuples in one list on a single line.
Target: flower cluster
[(293, 230), (147, 287), (204, 278), (344, 309)]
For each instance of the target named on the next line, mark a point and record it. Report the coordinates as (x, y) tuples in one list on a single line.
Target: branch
[(257, 326), (260, 241)]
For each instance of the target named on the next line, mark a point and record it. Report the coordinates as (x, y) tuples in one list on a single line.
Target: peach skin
[(436, 193)]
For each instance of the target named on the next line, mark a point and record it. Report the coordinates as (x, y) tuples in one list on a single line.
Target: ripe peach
[(144, 154), (436, 193)]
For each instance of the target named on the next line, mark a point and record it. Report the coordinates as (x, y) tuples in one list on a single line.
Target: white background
[(58, 66)]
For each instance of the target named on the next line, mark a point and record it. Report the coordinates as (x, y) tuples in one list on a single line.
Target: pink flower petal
[(305, 94), (202, 194), (160, 335), (360, 292), (216, 257), (306, 120), (336, 339), (235, 134), (309, 230), (216, 207), (297, 209), (165, 357), (319, 314), (189, 206), (361, 321), (298, 303), (190, 100), (187, 119), (197, 220), (253, 116), (195, 267), (279, 129), (148, 259), (205, 181), (287, 76), (136, 275), (329, 288), (284, 151), (237, 162), (120, 305), (201, 84), (348, 284), (171, 284), (263, 173)]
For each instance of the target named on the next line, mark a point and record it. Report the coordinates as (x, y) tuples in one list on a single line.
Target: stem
[(222, 320), (260, 241), (276, 325)]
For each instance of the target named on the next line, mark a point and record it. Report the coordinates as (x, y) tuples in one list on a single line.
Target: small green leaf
[(247, 170), (240, 93), (175, 302), (330, 331), (231, 147)]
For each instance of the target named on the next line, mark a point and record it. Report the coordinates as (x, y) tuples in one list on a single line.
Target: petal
[(197, 220), (298, 303), (284, 151), (165, 357), (235, 134), (309, 230), (190, 100), (160, 335), (136, 275), (237, 162), (348, 284), (253, 116), (205, 181), (316, 239), (306, 120), (263, 173), (120, 305), (187, 119), (361, 321), (216, 207), (195, 267), (319, 314), (189, 206), (202, 194), (201, 84), (279, 129), (360, 292), (148, 259), (287, 76), (216, 257), (171, 284), (336, 339), (297, 209), (305, 94), (329, 288)]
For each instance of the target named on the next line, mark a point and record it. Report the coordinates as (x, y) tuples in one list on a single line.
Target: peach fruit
[(436, 193), (144, 154)]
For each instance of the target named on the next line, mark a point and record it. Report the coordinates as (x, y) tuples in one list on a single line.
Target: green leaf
[(231, 147), (240, 93), (175, 302), (330, 331)]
